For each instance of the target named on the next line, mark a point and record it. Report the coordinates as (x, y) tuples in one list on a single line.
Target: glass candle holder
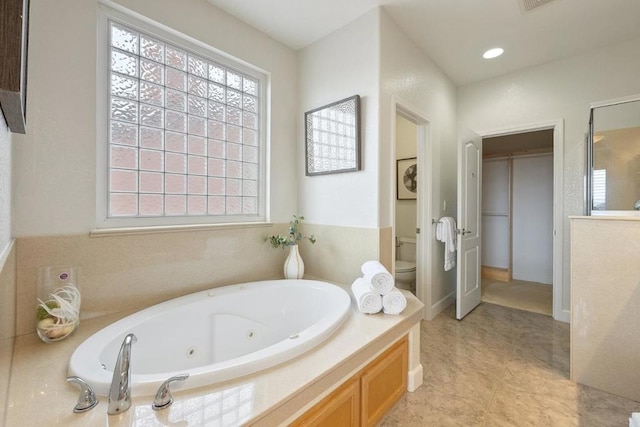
[(58, 302)]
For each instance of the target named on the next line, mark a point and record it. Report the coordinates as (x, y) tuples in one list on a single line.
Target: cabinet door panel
[(339, 409), (384, 382)]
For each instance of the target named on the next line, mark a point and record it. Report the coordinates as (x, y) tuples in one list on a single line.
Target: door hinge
[(417, 231)]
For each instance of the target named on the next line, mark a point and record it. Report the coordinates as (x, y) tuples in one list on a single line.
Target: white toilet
[(405, 272)]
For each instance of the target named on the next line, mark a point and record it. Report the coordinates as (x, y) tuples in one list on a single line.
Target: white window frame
[(109, 11)]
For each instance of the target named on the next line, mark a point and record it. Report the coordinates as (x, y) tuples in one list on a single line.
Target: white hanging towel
[(369, 302), (394, 302), (446, 232), (377, 277)]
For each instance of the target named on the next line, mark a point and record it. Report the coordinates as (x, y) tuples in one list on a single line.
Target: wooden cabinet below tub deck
[(383, 382), (366, 397), (340, 408)]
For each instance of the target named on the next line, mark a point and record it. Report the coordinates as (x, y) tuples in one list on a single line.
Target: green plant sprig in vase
[(293, 265), (294, 236)]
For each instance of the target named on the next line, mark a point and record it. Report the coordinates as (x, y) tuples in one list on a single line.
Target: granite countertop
[(38, 393)]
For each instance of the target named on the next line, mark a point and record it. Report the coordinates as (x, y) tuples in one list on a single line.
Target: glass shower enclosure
[(613, 158)]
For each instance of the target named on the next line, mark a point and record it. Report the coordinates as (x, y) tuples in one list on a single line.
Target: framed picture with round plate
[(407, 179)]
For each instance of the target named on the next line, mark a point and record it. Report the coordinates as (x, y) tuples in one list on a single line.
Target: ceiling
[(540, 141), (455, 33)]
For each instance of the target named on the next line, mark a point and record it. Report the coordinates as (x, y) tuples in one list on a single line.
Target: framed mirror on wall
[(332, 137), (613, 158)]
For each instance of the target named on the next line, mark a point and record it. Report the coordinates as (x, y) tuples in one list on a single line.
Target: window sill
[(108, 232)]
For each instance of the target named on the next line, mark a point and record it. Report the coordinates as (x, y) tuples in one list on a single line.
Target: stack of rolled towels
[(376, 290)]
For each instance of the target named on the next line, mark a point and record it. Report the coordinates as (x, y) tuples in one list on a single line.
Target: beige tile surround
[(130, 272), (39, 395), (605, 304), (339, 251), (7, 319), (6, 354), (8, 291), (124, 273), (386, 247)]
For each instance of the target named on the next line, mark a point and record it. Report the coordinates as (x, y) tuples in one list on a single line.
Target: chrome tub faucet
[(120, 391)]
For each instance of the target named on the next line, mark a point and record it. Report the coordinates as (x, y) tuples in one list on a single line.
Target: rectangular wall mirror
[(332, 137), (613, 170)]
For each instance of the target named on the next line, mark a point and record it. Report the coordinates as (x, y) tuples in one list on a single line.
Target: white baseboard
[(563, 316), (439, 306), (414, 378)]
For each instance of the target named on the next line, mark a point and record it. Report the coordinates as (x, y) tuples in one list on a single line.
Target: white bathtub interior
[(215, 335)]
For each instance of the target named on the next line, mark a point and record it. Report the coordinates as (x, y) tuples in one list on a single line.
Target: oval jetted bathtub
[(215, 335)]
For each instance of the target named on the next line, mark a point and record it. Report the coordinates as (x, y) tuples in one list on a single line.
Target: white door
[(468, 222)]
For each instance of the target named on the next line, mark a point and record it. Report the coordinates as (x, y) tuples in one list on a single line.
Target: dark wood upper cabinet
[(14, 24)]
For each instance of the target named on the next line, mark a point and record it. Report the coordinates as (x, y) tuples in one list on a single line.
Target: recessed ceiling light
[(493, 53)]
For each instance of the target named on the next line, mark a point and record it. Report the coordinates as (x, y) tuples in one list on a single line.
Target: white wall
[(373, 57), (340, 65), (55, 161), (558, 90), (408, 75), (406, 210), (7, 250), (5, 186), (533, 218)]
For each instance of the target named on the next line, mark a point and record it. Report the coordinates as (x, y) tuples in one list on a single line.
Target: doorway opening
[(406, 205), (411, 195), (522, 219)]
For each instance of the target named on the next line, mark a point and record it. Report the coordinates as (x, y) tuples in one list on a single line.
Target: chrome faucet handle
[(163, 396), (87, 399)]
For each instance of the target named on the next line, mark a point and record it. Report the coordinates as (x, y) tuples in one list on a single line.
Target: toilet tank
[(407, 249)]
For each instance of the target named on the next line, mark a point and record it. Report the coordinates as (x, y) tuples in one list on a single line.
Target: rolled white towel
[(377, 277), (394, 302), (368, 301)]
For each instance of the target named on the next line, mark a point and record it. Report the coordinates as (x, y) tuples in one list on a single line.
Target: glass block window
[(183, 131), (333, 137)]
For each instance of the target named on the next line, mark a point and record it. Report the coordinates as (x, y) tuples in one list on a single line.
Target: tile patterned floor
[(528, 296), (502, 367)]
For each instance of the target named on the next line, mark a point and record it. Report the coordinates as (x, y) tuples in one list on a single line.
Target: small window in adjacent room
[(184, 133), (599, 189)]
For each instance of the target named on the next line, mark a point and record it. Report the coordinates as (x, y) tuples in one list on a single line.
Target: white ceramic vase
[(293, 265)]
